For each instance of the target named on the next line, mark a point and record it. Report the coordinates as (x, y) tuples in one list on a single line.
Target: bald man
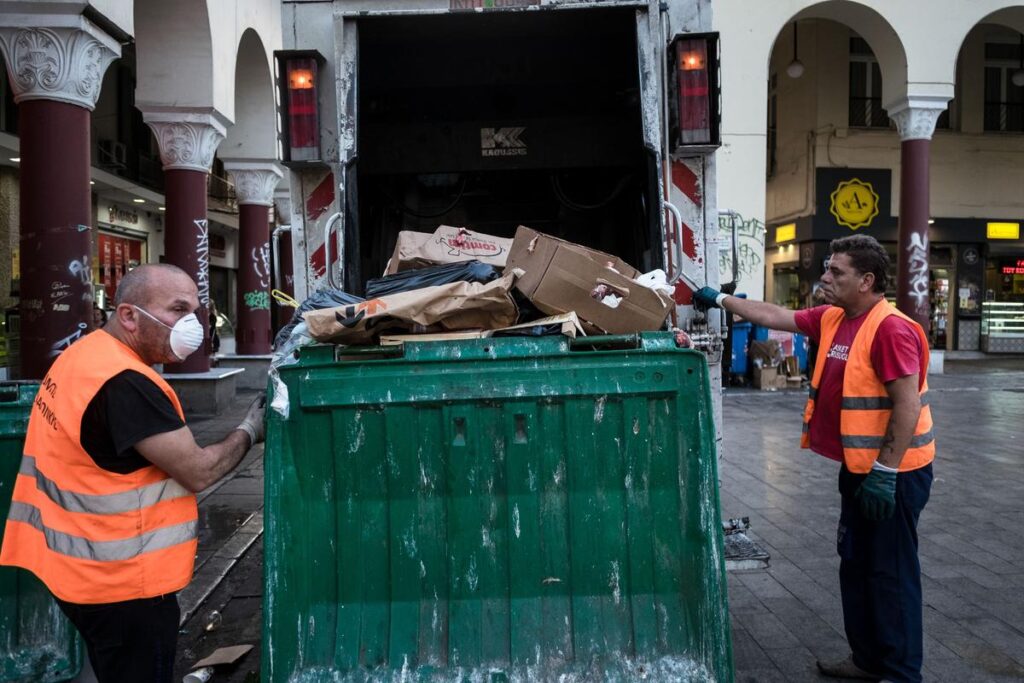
[(104, 508)]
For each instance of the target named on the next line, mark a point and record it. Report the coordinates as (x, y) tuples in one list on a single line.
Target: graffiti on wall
[(749, 252), (203, 260), (917, 268), (257, 300), (58, 347), (261, 264)]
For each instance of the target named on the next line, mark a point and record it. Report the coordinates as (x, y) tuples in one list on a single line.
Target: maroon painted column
[(254, 187), (187, 142), (915, 119), (55, 242), (912, 273)]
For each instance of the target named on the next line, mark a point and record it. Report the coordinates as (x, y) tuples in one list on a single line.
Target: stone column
[(188, 140), (255, 182), (55, 67), (915, 119)]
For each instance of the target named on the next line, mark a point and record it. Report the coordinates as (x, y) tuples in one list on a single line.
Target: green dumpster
[(37, 643), (495, 509)]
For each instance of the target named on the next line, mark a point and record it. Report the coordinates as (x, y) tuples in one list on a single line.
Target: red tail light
[(693, 61)]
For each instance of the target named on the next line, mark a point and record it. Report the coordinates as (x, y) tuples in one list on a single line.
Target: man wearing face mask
[(104, 511)]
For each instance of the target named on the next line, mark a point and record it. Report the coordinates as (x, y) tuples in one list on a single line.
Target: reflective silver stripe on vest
[(874, 402), (110, 504), (875, 442), (103, 551)]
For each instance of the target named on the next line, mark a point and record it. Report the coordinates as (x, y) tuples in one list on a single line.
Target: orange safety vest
[(866, 407), (90, 535)]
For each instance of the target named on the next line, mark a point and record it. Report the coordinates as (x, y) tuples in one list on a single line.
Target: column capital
[(255, 181), (56, 57), (188, 139), (283, 202), (915, 115)]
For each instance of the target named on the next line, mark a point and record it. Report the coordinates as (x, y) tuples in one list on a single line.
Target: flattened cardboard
[(559, 277), (223, 655), (454, 306)]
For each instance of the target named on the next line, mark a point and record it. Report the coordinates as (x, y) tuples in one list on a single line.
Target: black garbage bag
[(324, 298), (432, 276)]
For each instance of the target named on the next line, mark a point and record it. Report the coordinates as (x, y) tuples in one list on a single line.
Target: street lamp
[(1018, 76), (796, 67)]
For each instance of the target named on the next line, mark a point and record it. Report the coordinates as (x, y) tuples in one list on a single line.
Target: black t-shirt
[(128, 408)]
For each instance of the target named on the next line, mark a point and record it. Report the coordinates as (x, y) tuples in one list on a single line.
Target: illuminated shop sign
[(1016, 269)]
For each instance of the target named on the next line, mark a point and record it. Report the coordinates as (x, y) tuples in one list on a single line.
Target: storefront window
[(117, 255), (787, 287)]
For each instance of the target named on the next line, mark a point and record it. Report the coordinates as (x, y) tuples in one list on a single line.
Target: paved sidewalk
[(972, 540), (971, 534)]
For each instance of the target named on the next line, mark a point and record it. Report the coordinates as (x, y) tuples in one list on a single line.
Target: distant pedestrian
[(104, 511), (214, 336), (99, 317), (867, 410)]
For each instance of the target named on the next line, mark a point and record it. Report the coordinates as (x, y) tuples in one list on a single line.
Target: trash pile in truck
[(457, 281)]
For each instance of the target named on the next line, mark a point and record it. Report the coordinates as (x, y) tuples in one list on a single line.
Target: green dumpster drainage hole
[(460, 432), (520, 429)]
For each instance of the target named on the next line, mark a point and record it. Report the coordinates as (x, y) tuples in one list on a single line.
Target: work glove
[(254, 418), (706, 298), (877, 495)]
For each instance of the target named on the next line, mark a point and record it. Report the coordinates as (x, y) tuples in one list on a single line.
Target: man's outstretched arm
[(759, 312)]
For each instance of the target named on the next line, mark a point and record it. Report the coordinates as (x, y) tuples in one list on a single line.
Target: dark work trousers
[(131, 641), (880, 578)]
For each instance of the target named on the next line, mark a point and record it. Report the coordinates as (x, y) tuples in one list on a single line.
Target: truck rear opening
[(494, 120)]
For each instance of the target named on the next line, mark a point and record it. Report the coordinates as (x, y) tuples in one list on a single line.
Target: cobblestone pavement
[(971, 535)]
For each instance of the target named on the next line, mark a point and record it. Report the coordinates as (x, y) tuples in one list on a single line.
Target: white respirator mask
[(186, 335)]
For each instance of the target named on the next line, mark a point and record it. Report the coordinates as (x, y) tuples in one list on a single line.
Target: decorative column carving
[(255, 182), (915, 118), (188, 140), (55, 65), (917, 121), (60, 63)]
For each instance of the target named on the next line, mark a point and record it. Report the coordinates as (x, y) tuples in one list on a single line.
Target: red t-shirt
[(896, 352)]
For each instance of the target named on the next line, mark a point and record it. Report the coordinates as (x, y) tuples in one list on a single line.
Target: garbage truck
[(514, 509)]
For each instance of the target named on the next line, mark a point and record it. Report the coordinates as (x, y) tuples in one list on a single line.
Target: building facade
[(134, 132), (899, 120)]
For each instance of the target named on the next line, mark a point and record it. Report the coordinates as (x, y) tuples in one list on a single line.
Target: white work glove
[(254, 418)]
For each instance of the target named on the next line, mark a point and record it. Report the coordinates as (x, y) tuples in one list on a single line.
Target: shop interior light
[(785, 233), (15, 159), (1003, 231), (162, 208), (139, 201)]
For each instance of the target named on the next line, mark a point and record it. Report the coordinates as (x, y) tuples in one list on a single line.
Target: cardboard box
[(559, 276), (446, 245), (768, 378)]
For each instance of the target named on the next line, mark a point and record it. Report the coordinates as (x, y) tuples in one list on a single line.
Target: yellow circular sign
[(854, 203)]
